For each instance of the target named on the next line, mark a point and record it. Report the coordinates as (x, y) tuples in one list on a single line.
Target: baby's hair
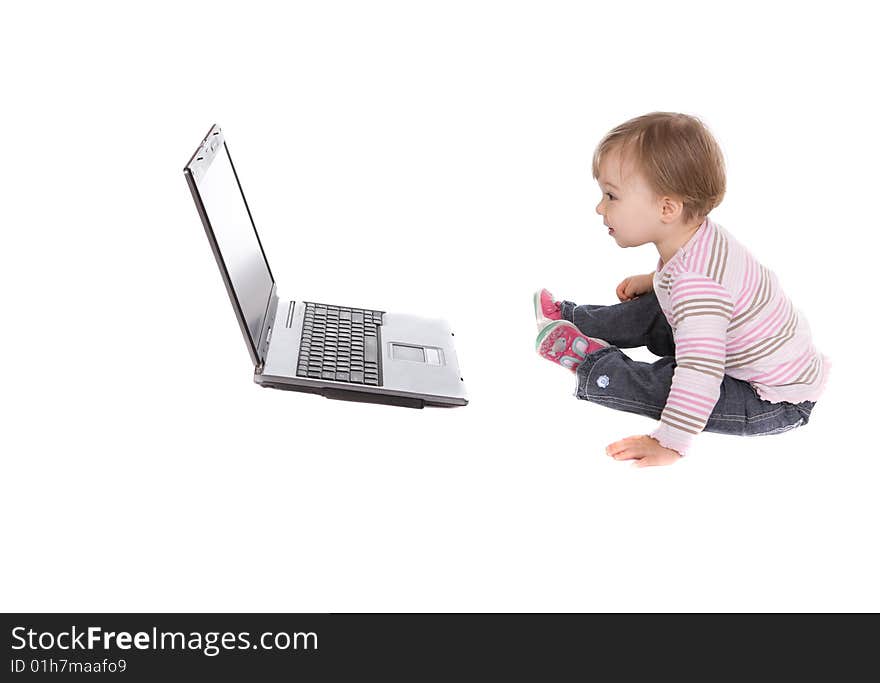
[(677, 155)]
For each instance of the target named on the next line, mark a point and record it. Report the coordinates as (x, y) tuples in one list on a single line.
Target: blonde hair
[(676, 154)]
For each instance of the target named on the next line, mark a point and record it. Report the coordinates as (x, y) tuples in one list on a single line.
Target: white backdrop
[(450, 143)]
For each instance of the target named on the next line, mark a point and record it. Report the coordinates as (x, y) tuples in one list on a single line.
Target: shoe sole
[(553, 324), (547, 329), (578, 347)]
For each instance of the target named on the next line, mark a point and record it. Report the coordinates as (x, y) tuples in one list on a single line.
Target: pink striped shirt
[(729, 316)]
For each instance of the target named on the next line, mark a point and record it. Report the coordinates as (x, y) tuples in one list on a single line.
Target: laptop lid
[(233, 236)]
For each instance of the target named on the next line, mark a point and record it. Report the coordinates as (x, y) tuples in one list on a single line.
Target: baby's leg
[(612, 379), (638, 322)]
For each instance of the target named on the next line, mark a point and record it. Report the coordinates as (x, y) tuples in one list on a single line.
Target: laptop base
[(355, 396)]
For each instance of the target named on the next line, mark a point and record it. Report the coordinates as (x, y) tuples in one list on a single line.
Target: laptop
[(341, 352)]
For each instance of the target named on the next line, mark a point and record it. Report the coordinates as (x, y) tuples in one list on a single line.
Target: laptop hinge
[(266, 331)]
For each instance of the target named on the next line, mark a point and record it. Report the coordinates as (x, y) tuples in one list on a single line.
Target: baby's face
[(629, 207)]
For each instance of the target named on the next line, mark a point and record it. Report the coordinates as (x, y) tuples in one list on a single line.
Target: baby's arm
[(701, 310)]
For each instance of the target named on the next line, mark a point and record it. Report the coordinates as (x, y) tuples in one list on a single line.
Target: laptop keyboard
[(340, 344)]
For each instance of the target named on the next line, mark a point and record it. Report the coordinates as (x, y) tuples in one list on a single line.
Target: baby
[(736, 356)]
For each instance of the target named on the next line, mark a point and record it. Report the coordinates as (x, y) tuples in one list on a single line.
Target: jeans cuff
[(585, 371), (567, 310)]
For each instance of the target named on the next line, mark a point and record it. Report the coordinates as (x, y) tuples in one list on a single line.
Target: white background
[(450, 143)]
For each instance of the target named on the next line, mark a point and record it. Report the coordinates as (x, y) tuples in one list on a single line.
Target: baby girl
[(736, 356)]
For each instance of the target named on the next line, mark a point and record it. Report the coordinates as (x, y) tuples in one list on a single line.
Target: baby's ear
[(671, 209)]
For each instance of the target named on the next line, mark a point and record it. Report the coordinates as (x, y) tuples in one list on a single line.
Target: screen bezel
[(215, 143)]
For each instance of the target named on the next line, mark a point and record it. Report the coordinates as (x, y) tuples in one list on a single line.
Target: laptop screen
[(236, 244)]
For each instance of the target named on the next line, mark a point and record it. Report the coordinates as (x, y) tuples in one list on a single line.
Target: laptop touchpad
[(416, 354)]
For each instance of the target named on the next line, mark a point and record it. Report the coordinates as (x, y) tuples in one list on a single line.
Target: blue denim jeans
[(609, 377)]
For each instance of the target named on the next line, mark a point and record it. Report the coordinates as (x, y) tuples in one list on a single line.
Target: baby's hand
[(645, 450), (634, 286)]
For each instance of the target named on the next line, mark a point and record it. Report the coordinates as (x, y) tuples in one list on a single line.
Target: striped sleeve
[(701, 310)]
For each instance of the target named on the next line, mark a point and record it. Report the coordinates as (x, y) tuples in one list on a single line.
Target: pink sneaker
[(562, 342), (546, 310)]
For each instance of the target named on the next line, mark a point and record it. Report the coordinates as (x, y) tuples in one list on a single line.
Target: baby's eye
[(609, 195)]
